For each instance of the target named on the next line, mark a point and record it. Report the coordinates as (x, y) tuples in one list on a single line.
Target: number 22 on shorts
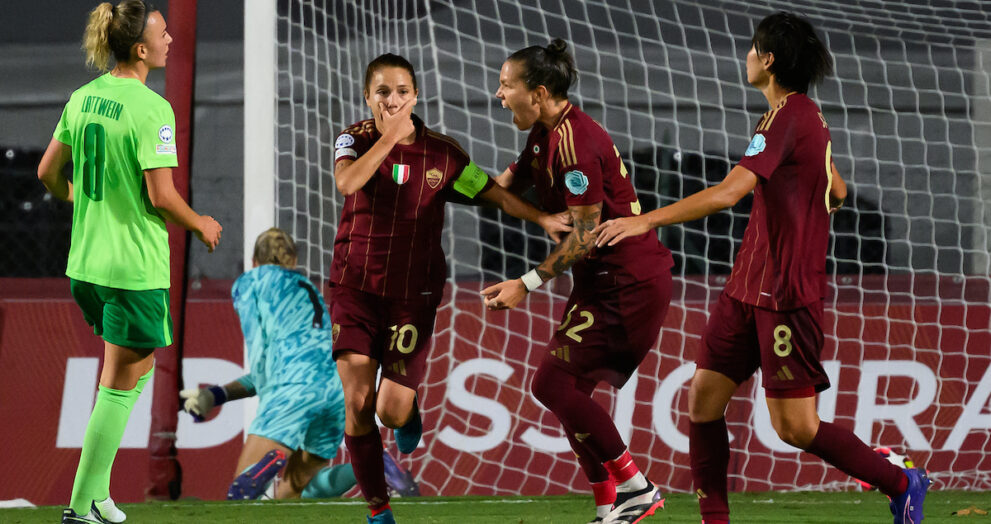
[(572, 332)]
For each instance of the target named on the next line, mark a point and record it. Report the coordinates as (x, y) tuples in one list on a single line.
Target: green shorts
[(133, 319)]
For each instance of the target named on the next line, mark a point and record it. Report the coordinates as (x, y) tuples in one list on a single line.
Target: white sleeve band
[(532, 280)]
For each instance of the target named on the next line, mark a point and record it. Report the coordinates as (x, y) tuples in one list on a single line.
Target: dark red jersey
[(576, 164), (389, 235), (782, 262)]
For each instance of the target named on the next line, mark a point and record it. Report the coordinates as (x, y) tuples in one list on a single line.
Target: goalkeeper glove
[(199, 401)]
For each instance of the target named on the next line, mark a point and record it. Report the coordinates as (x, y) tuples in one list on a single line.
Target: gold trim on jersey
[(363, 127), (566, 146), (564, 114), (829, 170), (371, 228), (768, 120), (354, 224), (570, 144), (562, 155), (392, 231), (448, 140), (753, 255)]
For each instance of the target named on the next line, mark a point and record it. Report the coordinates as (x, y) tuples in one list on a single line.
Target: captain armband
[(471, 180)]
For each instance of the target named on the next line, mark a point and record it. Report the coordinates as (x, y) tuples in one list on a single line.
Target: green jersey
[(117, 128)]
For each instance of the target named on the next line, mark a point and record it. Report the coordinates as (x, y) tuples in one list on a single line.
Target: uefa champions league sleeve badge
[(576, 182), (757, 144)]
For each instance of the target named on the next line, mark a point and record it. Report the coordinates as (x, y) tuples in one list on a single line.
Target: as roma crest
[(434, 178)]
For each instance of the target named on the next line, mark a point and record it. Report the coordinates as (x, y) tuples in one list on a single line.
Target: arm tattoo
[(575, 246)]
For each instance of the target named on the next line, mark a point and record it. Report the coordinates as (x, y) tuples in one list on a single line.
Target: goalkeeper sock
[(369, 470), (100, 444), (329, 482), (841, 448), (708, 453), (627, 474)]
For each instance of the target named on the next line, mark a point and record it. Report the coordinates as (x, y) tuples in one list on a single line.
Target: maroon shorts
[(609, 325), (395, 332), (785, 345)]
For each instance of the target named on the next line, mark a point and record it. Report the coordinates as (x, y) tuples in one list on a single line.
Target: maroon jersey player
[(620, 296), (769, 316), (388, 270)]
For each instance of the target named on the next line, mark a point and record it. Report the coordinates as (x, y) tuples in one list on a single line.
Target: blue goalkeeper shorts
[(303, 416)]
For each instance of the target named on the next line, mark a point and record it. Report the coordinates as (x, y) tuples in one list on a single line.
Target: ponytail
[(114, 30), (95, 41)]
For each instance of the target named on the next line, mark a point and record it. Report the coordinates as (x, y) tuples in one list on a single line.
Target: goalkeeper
[(288, 335)]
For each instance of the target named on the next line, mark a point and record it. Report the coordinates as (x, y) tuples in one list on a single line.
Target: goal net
[(907, 323)]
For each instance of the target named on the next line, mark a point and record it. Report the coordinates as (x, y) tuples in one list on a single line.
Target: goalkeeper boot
[(398, 478), (108, 511), (907, 507), (382, 517), (71, 517), (633, 506), (253, 482), (408, 435)]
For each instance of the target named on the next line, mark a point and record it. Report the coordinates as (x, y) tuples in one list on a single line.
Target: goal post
[(259, 135), (907, 322)]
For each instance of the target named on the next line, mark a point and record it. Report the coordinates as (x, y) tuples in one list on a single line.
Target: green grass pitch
[(763, 508)]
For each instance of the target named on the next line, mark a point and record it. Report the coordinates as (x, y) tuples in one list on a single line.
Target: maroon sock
[(583, 417), (847, 453), (369, 470), (708, 451), (594, 471)]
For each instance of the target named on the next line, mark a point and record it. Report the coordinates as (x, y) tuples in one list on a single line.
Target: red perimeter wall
[(42, 335)]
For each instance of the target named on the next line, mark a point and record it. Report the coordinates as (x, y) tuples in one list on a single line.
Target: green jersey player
[(119, 136)]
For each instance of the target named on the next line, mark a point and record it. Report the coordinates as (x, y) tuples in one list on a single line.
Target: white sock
[(635, 483)]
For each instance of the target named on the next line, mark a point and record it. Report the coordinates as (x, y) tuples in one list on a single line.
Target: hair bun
[(557, 47)]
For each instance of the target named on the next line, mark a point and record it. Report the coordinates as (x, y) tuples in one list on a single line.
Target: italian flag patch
[(400, 173)]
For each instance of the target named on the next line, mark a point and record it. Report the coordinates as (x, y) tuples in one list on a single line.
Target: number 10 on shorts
[(403, 338)]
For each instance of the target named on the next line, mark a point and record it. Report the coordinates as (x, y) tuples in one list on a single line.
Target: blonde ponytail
[(275, 246), (114, 31), (96, 41)]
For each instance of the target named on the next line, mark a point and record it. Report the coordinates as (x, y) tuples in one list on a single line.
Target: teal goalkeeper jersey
[(286, 327), (117, 128)]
